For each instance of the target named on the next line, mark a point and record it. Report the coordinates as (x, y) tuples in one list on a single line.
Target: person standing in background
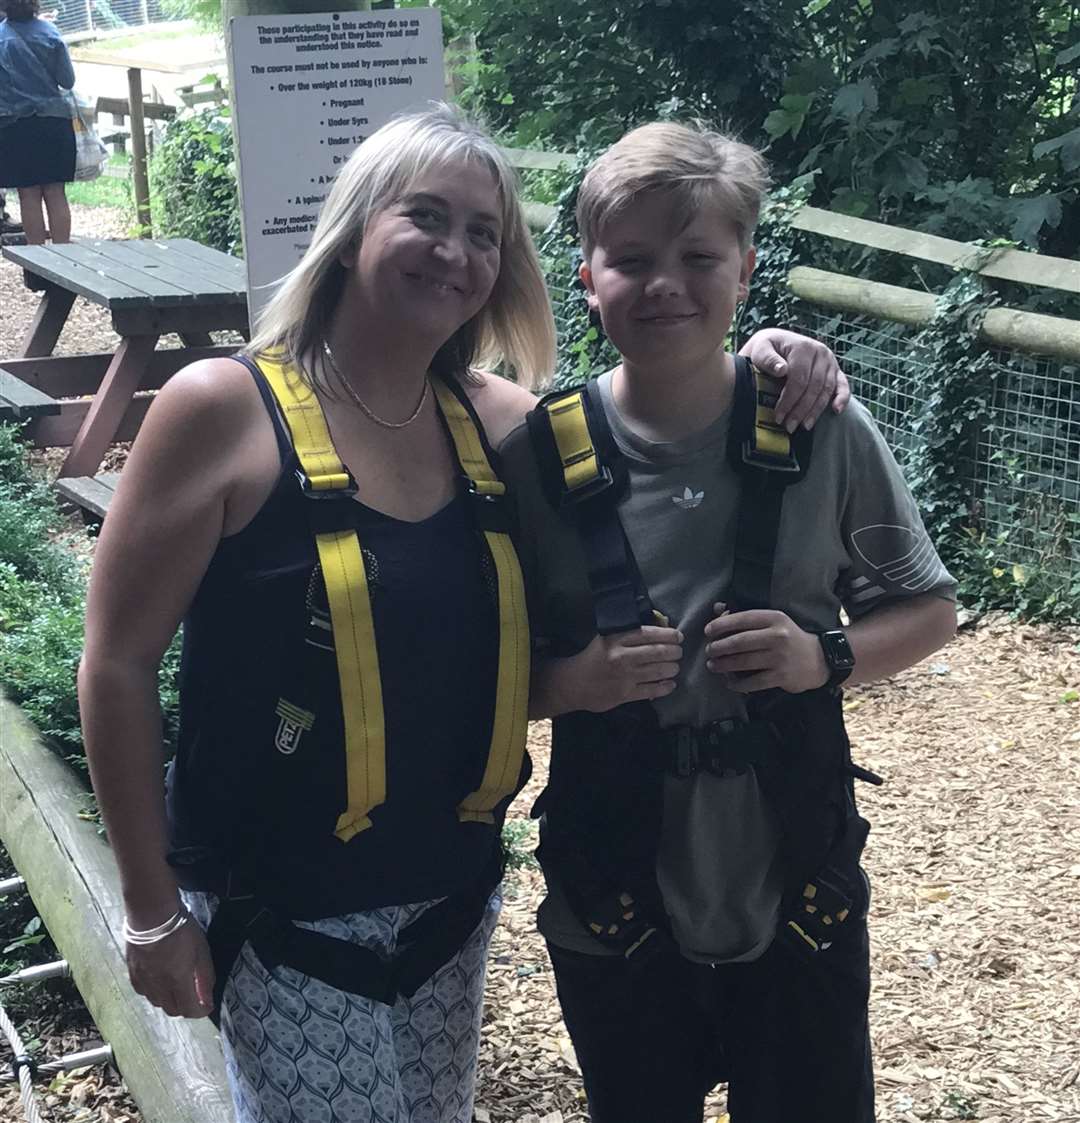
[(37, 140)]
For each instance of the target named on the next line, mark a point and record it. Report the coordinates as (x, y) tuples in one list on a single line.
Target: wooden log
[(173, 1067), (533, 158), (864, 298), (1003, 263), (1033, 333), (539, 216), (1030, 332)]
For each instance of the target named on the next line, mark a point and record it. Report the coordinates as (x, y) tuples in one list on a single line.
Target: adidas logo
[(689, 499)]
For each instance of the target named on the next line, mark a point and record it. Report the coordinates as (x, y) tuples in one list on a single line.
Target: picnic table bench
[(150, 288)]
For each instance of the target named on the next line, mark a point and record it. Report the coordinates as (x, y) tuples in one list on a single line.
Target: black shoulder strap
[(768, 460), (584, 475)]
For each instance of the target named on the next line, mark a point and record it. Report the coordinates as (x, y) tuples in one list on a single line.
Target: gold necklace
[(363, 406)]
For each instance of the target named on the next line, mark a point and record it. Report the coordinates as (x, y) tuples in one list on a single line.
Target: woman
[(352, 716), (37, 140)]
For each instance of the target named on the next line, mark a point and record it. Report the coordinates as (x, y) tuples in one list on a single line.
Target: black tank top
[(256, 636)]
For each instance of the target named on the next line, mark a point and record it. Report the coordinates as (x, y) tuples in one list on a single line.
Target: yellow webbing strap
[(769, 437), (350, 605), (571, 431), (512, 689)]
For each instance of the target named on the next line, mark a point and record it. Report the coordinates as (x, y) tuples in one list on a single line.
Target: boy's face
[(667, 295)]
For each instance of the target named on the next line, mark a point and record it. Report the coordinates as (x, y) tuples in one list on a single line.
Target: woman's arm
[(63, 72), (162, 529)]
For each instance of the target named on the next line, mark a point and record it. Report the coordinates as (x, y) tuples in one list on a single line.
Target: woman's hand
[(611, 671), (763, 649), (175, 974), (813, 376)]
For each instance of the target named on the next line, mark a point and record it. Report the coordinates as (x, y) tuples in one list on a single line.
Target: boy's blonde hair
[(697, 165), (515, 326)]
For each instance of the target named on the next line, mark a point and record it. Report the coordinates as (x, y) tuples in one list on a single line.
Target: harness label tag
[(293, 724)]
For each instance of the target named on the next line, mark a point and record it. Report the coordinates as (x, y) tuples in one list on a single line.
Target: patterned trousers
[(300, 1051)]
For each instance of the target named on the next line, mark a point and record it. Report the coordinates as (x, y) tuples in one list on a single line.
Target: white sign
[(306, 90)]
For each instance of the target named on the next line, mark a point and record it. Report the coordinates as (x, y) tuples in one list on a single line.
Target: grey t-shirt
[(850, 537)]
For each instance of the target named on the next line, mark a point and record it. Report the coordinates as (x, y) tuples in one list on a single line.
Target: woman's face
[(429, 260)]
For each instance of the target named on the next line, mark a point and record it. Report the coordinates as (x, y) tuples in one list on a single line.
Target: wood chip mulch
[(974, 856), (975, 862)]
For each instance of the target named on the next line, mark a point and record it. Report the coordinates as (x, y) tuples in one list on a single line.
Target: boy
[(687, 564)]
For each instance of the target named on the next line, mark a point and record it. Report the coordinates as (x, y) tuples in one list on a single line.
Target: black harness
[(423, 946), (603, 846)]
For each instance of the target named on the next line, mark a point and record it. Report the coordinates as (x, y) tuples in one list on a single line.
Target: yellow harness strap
[(571, 431), (769, 444), (350, 604), (512, 689)]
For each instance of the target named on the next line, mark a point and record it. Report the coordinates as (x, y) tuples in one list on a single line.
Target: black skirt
[(37, 150)]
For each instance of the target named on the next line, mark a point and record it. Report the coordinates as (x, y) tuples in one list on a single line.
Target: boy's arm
[(764, 649), (813, 376), (892, 584)]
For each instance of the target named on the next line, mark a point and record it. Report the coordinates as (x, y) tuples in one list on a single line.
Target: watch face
[(837, 650)]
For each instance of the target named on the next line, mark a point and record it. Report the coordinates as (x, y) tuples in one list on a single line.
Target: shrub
[(193, 181), (42, 608)]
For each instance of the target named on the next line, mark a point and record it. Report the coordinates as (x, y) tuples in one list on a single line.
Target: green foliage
[(107, 190), (583, 349), (519, 842), (193, 181), (963, 122), (42, 607), (955, 411)]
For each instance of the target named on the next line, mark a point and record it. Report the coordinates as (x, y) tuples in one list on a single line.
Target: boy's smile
[(666, 290)]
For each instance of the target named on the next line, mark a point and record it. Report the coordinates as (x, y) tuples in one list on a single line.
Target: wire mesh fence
[(1025, 482), (72, 16)]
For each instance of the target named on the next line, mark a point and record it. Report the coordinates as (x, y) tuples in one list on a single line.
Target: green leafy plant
[(193, 180), (519, 842), (42, 608)]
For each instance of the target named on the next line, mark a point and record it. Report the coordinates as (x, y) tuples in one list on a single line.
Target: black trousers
[(788, 1032)]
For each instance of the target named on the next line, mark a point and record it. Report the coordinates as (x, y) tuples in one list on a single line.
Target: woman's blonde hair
[(695, 164), (515, 326)]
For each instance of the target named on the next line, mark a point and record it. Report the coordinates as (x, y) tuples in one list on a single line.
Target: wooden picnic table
[(150, 288)]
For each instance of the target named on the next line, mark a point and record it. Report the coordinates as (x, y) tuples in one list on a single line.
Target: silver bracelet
[(161, 932)]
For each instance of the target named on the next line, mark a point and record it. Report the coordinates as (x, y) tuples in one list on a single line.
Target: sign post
[(306, 90)]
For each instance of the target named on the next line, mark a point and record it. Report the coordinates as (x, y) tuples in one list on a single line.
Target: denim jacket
[(34, 68)]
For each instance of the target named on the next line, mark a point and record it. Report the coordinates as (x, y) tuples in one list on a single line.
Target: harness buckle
[(344, 491), (822, 909), (686, 752), (589, 490), (758, 459), (488, 507)]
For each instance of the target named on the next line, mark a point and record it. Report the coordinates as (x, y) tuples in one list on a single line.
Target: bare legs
[(54, 198)]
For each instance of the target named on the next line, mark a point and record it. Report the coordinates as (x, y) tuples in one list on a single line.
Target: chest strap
[(512, 687), (767, 460), (584, 476), (330, 488)]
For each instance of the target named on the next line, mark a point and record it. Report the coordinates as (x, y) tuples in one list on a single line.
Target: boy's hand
[(813, 375), (768, 647), (627, 667)]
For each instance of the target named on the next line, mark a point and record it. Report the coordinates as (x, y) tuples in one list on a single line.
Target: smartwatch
[(839, 658)]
